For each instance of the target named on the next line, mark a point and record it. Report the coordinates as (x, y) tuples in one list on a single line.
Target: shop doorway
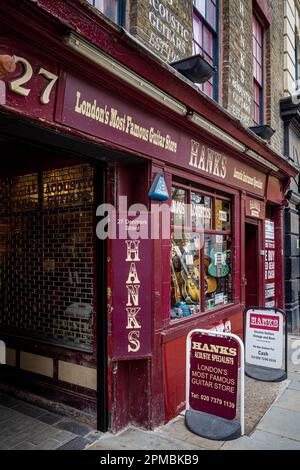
[(53, 273), (251, 264)]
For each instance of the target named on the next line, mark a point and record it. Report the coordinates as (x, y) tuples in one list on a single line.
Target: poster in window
[(270, 271)]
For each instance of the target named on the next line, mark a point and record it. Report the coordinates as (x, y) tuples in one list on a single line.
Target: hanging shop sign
[(101, 113), (265, 344), (212, 365), (270, 293), (131, 289), (255, 208)]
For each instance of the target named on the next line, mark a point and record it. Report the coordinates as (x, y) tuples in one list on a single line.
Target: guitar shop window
[(201, 260)]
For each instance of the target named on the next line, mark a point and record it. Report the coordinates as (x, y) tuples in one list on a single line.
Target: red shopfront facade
[(111, 340)]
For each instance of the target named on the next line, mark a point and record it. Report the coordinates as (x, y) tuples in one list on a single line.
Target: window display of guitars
[(189, 279), (218, 266)]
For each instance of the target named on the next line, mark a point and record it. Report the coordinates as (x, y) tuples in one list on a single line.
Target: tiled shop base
[(24, 426)]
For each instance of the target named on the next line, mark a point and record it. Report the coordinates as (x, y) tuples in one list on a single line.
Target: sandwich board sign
[(265, 344), (213, 362)]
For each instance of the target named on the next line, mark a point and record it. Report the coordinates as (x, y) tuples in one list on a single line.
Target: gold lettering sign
[(72, 186), (24, 193), (133, 301), (208, 160), (63, 187), (122, 122)]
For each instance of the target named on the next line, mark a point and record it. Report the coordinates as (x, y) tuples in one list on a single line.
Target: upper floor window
[(258, 71), (113, 9), (205, 38)]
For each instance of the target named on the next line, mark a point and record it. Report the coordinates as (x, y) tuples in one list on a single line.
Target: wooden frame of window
[(297, 44), (188, 227), (209, 21), (258, 70), (120, 10)]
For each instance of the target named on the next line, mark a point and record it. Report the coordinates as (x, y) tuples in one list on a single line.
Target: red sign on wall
[(213, 376), (102, 113), (131, 290), (255, 208)]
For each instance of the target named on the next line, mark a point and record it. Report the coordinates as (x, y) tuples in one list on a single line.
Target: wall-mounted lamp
[(265, 131), (195, 68)]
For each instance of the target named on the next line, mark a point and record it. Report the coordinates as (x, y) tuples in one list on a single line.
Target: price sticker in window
[(189, 259), (223, 216)]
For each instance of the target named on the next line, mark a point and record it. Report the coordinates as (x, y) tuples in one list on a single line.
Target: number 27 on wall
[(17, 85)]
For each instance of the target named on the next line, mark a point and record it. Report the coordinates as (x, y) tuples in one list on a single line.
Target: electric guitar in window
[(218, 266)]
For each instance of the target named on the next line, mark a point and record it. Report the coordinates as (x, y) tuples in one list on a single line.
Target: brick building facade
[(152, 23)]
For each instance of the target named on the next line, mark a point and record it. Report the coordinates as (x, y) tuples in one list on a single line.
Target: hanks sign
[(131, 294), (213, 379)]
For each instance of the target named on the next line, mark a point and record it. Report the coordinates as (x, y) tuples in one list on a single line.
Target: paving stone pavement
[(29, 427), (24, 426), (278, 428)]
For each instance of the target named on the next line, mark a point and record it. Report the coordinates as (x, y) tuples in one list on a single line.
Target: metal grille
[(46, 256)]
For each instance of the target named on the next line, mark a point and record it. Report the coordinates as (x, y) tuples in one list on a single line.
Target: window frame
[(121, 11), (188, 226), (256, 84), (297, 45), (215, 46)]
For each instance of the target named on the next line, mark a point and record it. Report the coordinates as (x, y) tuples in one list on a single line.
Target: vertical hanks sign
[(213, 375), (131, 290)]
